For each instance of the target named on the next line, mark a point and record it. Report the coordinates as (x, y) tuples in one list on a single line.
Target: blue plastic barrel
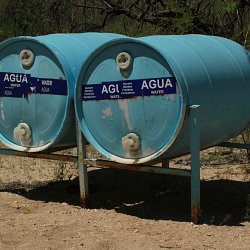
[(37, 78), (133, 96)]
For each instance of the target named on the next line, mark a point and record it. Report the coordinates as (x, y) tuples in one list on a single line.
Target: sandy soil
[(39, 207)]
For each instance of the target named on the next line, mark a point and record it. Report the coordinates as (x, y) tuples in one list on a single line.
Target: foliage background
[(227, 18)]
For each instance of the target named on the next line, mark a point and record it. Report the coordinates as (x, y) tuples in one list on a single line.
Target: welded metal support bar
[(234, 145), (165, 164), (82, 167), (195, 163), (57, 157), (137, 167), (53, 150)]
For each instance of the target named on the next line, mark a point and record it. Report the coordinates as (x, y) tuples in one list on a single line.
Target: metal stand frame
[(83, 162), (195, 163), (194, 173), (82, 167)]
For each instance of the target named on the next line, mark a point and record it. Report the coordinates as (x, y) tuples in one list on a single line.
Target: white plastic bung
[(123, 60), (131, 144), (27, 57), (23, 133)]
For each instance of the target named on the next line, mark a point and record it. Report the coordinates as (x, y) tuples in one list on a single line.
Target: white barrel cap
[(27, 57), (22, 133), (123, 60)]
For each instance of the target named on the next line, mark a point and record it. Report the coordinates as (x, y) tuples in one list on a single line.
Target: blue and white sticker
[(22, 85), (127, 89)]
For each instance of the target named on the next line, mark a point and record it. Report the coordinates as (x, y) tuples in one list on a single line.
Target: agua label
[(129, 89), (21, 85)]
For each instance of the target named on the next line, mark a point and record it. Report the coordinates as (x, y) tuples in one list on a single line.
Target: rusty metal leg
[(165, 164), (82, 168), (195, 164)]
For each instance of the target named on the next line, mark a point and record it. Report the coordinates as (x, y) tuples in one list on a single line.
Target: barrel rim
[(67, 74), (80, 115)]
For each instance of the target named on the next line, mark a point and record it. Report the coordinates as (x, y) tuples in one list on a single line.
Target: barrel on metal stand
[(133, 96), (37, 78)]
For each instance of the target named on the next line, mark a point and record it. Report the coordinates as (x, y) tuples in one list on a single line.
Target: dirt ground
[(39, 206)]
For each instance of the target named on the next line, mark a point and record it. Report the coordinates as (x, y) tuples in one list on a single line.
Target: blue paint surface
[(210, 71), (149, 108), (22, 85), (129, 89)]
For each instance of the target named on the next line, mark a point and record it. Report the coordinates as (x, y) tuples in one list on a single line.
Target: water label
[(126, 89), (22, 85)]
